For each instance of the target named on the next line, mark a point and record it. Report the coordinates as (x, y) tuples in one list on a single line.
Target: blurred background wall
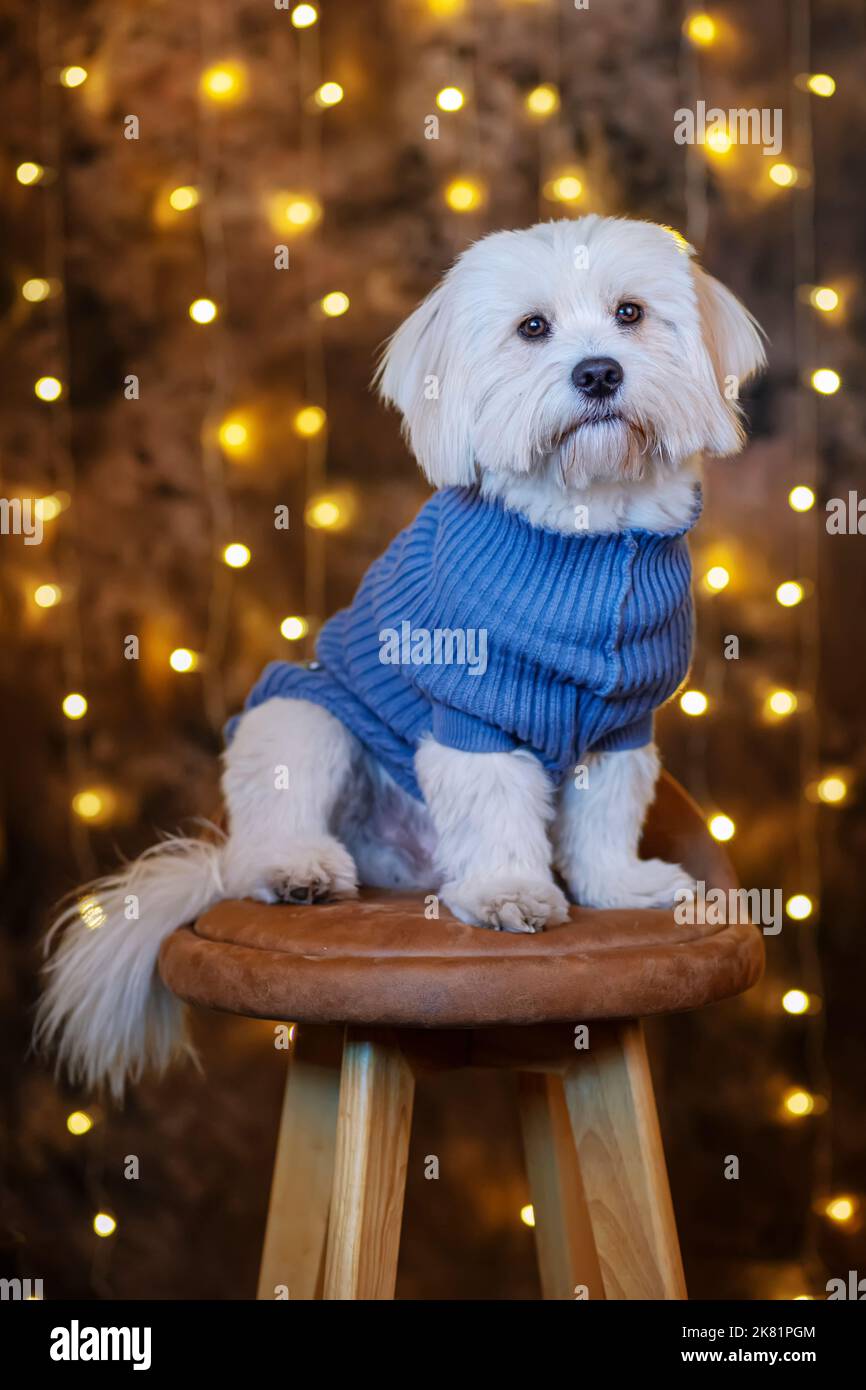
[(166, 387)]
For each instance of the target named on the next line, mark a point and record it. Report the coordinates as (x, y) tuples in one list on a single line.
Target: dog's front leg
[(598, 831), (491, 813)]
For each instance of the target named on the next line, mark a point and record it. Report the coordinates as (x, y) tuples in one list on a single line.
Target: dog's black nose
[(597, 376)]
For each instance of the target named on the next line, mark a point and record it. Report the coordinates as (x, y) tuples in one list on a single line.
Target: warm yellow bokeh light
[(701, 29), (29, 172), (450, 99), (46, 595), (527, 1214), (821, 83), (48, 388), (795, 1001), (304, 15), (443, 9), (719, 141), (694, 702), (781, 703), (184, 197), (91, 912), (323, 514), (801, 498), (237, 555), (334, 304), (49, 508), (824, 298), (35, 290), (721, 827), (91, 804), (294, 628), (74, 705), (225, 82), (182, 659), (103, 1224), (799, 906), (789, 594), (79, 1122), (564, 188), (783, 175), (840, 1209), (203, 311), (799, 1102), (832, 790), (294, 212), (73, 76), (329, 94), (717, 578), (233, 434), (826, 381), (309, 421), (464, 195), (543, 100)]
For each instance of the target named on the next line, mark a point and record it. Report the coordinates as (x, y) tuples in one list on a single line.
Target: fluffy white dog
[(557, 388)]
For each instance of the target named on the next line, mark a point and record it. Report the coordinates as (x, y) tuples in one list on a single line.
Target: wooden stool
[(390, 993)]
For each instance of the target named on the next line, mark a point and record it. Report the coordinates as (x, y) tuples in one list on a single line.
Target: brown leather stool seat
[(380, 960)]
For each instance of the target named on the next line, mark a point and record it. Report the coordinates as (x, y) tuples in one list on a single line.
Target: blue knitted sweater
[(494, 634)]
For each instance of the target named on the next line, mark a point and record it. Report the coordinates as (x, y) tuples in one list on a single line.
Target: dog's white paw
[(637, 883), (506, 904), (310, 871)]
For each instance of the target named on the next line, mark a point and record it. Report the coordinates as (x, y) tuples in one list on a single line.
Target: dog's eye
[(534, 327), (629, 313)]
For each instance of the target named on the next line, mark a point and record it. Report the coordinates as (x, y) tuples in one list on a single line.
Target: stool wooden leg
[(612, 1109), (294, 1248), (567, 1258), (376, 1092)]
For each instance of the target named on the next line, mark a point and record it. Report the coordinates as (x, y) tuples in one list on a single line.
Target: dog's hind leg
[(285, 773)]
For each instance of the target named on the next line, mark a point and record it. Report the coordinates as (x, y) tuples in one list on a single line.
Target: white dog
[(557, 388)]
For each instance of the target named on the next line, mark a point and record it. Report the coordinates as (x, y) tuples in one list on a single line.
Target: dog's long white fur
[(505, 414)]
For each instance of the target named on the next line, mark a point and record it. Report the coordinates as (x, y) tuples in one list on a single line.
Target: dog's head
[(598, 344)]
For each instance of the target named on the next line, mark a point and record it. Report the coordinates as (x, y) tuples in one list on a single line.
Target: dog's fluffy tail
[(104, 1009)]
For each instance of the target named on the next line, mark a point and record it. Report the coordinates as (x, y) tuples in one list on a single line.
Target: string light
[(782, 175), (47, 595), (94, 804), (464, 195), (329, 94), (184, 197), (91, 912), (799, 906), (74, 706), (104, 1224), (565, 187), (294, 212), (825, 381), (527, 1214), (717, 578), (832, 790), (789, 594), (322, 514), (225, 82), (821, 83), (701, 29), (719, 141), (799, 1102), (237, 555), (309, 421), (450, 99), (73, 76), (781, 703), (824, 298), (543, 100), (233, 435), (29, 173), (694, 702), (294, 628), (721, 827), (795, 1001), (443, 9), (182, 660), (79, 1122), (304, 15), (801, 498), (35, 290), (840, 1209), (48, 388), (334, 304), (203, 311), (48, 508)]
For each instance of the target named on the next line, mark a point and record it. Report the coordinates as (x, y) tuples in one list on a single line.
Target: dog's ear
[(422, 375), (734, 339)]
